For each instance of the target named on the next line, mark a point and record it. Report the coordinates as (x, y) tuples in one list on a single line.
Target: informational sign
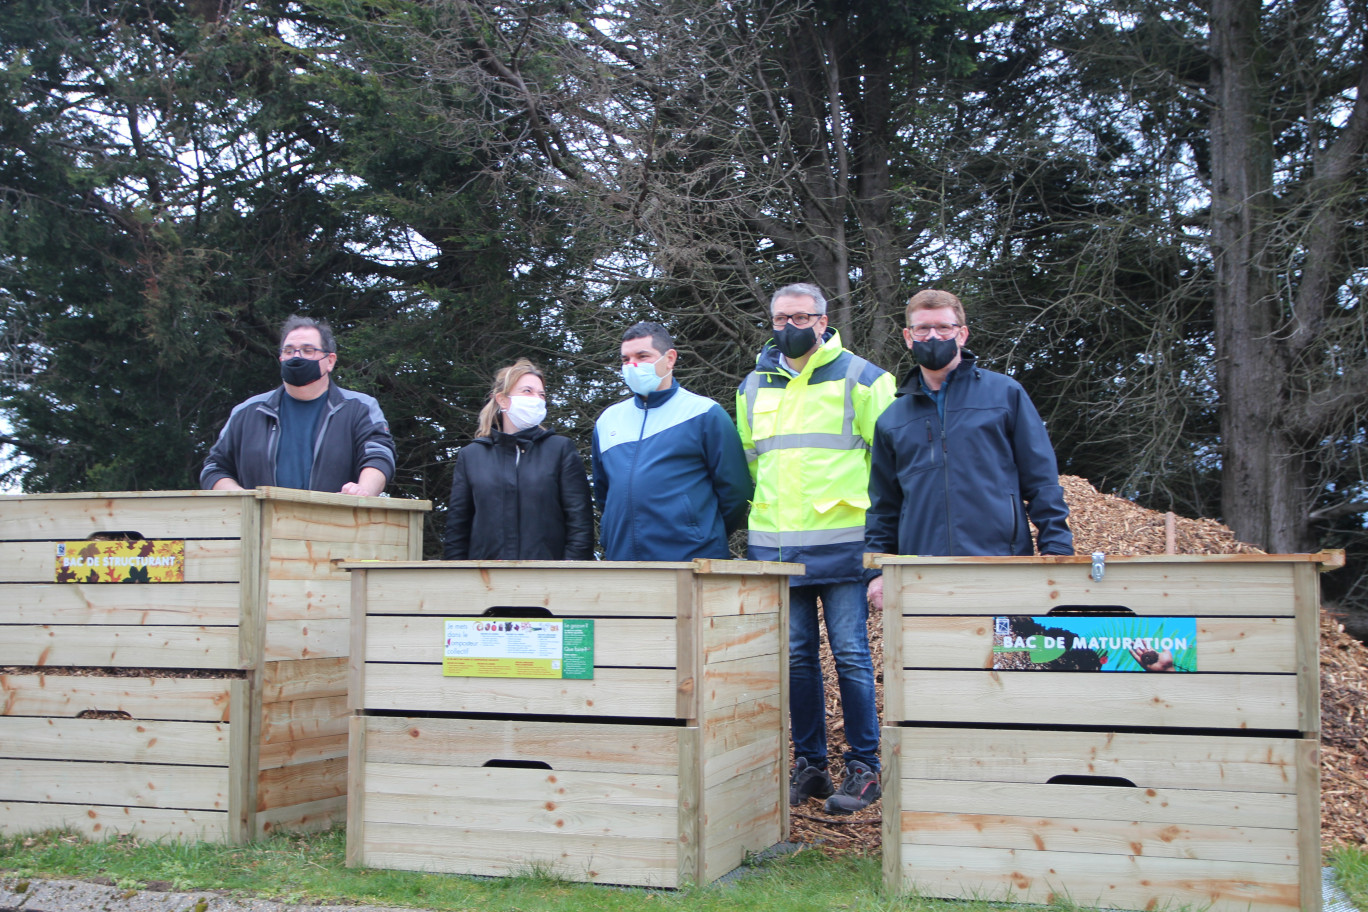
[(1158, 644), (519, 648), (141, 561)]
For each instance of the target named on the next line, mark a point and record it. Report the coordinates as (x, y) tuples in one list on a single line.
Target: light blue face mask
[(641, 378)]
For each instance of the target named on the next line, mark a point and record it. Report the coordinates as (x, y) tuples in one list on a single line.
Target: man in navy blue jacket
[(670, 476), (961, 458)]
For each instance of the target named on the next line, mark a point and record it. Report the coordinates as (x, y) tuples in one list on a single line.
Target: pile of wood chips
[(1103, 522)]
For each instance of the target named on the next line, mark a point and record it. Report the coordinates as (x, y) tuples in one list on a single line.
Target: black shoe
[(859, 790), (808, 781)]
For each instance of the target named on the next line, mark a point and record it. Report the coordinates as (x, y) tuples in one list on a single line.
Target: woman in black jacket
[(519, 492)]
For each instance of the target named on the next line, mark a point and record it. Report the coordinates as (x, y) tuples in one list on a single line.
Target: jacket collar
[(767, 362), (657, 398), (522, 438), (912, 381), (333, 395)]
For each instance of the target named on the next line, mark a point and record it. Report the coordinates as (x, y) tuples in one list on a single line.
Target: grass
[(1351, 872), (309, 868)]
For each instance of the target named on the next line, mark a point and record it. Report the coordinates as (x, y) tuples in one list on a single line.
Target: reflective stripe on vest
[(811, 441), (807, 537), (846, 440)]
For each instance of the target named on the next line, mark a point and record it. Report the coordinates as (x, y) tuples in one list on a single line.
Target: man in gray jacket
[(308, 433), (961, 458)]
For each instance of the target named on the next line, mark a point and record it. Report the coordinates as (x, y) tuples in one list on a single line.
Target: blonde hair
[(932, 298), (505, 381)]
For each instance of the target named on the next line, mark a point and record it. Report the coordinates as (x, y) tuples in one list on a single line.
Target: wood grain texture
[(1077, 698)]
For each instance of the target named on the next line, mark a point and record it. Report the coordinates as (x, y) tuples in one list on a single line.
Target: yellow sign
[(143, 561)]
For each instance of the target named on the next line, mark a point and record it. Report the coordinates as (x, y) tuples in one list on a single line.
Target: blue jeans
[(846, 609)]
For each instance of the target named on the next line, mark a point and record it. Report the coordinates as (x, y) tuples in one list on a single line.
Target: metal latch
[(1099, 566)]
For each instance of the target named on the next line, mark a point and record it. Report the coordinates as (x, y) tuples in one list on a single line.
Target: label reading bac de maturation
[(519, 648)]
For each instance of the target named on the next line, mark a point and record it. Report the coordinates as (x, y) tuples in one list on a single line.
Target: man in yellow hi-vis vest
[(806, 416)]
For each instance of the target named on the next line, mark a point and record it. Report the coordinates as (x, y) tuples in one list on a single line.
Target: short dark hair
[(325, 333), (660, 337)]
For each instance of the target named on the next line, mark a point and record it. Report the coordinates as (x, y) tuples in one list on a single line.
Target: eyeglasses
[(800, 320), (312, 352), (942, 330)]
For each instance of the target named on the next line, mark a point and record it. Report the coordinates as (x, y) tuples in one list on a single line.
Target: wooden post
[(1170, 533)]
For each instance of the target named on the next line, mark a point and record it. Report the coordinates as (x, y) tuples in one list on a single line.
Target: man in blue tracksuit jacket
[(670, 476), (961, 458)]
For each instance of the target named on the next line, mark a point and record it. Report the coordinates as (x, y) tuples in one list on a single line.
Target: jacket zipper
[(631, 476)]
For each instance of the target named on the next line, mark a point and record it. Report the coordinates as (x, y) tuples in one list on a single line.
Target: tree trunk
[(1265, 495)]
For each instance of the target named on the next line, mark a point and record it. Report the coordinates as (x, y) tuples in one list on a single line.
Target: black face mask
[(299, 371), (795, 342), (934, 354)]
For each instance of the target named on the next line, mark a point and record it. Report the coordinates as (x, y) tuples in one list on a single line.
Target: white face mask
[(641, 379), (526, 411)]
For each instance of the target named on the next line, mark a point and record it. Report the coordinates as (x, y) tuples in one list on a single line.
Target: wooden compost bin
[(211, 708), (1132, 790), (667, 767)]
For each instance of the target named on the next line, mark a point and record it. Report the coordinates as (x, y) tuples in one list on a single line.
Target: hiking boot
[(859, 790), (808, 781)]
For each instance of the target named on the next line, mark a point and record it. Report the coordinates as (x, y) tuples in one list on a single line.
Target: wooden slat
[(743, 817), (303, 720), (303, 750), (1074, 698), (101, 821), (740, 637), (1109, 881), (309, 817), (738, 737), (179, 514), (1187, 588), (721, 596), (208, 561), (290, 496), (131, 784), (463, 850), (893, 621), (313, 559), (624, 692), (120, 603), (739, 681), (745, 806), (357, 749), (242, 748), (303, 783), (622, 642), (114, 646), (691, 806), (447, 591), (301, 640), (1306, 588), (1166, 807), (528, 802), (191, 699), (688, 665), (1062, 833), (319, 522), (1258, 645), (1147, 760), (304, 680), (114, 741), (1309, 823), (890, 824), (461, 743), (307, 600)]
